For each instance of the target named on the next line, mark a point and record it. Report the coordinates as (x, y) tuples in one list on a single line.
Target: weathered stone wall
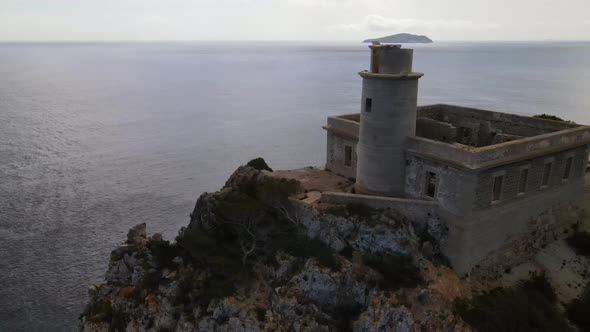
[(492, 121), (553, 224), (480, 229), (335, 160), (484, 237), (500, 154), (436, 130), (455, 187), (347, 125), (483, 196), (419, 211), (502, 138)]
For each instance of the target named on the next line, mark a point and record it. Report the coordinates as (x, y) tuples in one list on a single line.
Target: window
[(497, 193), (430, 187), (368, 104), (568, 168), (466, 132), (546, 174), (347, 155), (522, 182)]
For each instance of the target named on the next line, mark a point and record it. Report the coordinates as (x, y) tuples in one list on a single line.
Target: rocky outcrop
[(253, 258)]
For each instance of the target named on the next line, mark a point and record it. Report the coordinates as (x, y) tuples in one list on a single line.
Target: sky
[(339, 20)]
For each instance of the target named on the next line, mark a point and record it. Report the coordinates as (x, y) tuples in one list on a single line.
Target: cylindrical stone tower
[(388, 117)]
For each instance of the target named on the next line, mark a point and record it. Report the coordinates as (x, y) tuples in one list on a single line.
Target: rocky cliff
[(254, 258), (265, 254)]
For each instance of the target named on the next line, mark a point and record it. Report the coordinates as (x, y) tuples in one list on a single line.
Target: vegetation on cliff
[(580, 242), (256, 258), (551, 117), (253, 258), (578, 311), (530, 306)]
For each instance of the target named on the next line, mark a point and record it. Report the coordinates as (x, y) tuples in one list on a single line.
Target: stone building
[(491, 174)]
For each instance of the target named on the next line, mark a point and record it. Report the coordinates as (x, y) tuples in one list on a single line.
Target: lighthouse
[(387, 119)]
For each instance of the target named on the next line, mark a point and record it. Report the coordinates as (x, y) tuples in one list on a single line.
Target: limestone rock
[(383, 316), (156, 237), (137, 234), (152, 284), (118, 273)]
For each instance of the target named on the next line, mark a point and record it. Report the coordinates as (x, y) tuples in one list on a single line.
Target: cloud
[(587, 22), (320, 3), (373, 23)]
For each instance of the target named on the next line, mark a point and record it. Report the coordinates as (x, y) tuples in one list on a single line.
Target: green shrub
[(99, 311), (259, 164), (398, 270), (347, 252), (151, 279), (359, 209), (548, 117), (529, 306), (350, 209), (280, 187), (551, 117), (217, 250), (337, 210), (164, 253), (103, 311), (297, 244), (345, 315), (578, 311), (580, 242), (246, 217)]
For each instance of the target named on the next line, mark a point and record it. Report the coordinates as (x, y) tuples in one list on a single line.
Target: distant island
[(401, 38)]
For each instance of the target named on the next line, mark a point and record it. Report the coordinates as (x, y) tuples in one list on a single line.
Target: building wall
[(511, 175), (508, 234), (335, 160), (512, 222), (493, 121), (479, 231), (436, 130), (418, 211), (479, 228), (455, 188)]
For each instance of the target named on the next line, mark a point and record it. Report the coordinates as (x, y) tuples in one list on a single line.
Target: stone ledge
[(403, 76), (414, 209)]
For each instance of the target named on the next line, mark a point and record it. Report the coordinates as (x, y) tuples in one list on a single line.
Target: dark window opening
[(524, 176), (546, 174), (465, 131), (498, 182), (347, 155), (568, 168), (368, 104), (430, 184)]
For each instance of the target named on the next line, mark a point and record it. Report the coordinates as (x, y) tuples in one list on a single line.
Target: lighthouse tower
[(388, 117)]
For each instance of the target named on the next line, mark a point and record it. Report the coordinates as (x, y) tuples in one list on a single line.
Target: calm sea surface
[(97, 137)]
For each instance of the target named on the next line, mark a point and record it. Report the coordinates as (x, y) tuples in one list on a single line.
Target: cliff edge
[(266, 254), (254, 257)]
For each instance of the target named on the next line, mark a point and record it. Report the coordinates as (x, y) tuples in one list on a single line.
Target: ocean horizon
[(96, 137)]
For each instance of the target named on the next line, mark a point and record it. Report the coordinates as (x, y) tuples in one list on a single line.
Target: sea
[(98, 137)]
